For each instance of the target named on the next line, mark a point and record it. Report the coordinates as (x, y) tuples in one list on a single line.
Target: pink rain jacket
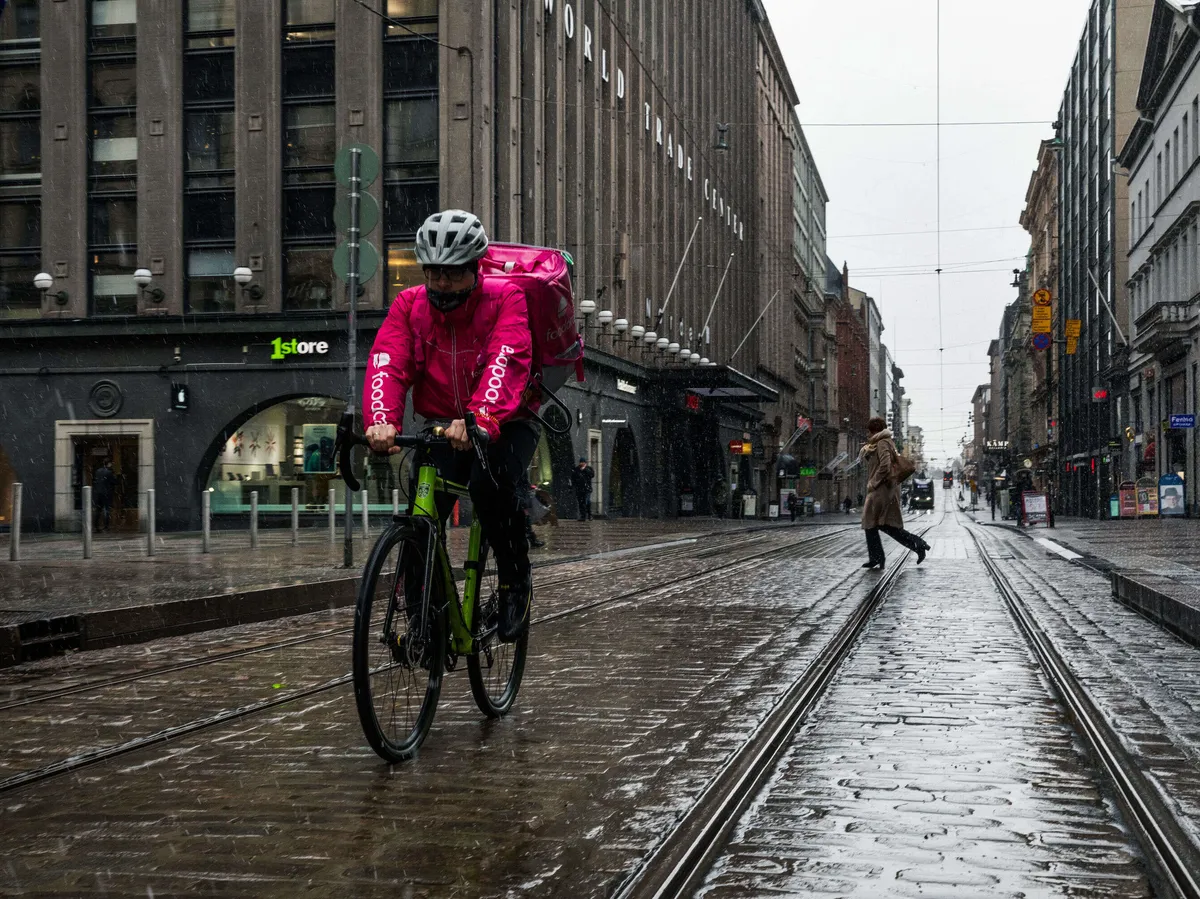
[(474, 359)]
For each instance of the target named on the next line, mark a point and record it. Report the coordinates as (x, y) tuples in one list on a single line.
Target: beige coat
[(882, 506)]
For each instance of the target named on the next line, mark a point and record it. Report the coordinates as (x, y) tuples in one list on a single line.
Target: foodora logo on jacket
[(378, 410), (497, 370)]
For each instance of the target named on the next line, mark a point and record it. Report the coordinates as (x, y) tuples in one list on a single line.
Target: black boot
[(514, 611)]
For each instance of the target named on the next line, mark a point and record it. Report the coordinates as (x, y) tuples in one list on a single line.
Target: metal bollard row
[(14, 544), (254, 519), (85, 518)]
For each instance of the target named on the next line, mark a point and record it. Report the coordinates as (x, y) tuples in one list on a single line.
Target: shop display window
[(291, 445)]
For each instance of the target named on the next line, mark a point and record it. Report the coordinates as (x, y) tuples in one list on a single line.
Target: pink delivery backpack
[(545, 276)]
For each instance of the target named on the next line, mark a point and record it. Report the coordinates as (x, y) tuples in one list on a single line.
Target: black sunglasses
[(453, 272)]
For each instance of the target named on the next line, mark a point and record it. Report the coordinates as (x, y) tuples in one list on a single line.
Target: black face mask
[(448, 300)]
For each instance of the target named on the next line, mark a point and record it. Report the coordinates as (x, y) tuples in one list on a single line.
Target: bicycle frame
[(428, 487)]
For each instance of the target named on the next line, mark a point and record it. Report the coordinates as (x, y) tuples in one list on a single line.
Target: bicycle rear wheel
[(495, 669), (399, 653)]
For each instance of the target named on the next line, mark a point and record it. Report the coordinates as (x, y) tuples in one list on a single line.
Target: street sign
[(1099, 394), (1041, 297), (735, 447), (1041, 319), (802, 423), (368, 212), (368, 261), (368, 167), (1183, 421), (1041, 341), (1074, 327), (1072, 345)]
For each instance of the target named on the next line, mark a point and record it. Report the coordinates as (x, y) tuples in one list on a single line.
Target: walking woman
[(881, 511)]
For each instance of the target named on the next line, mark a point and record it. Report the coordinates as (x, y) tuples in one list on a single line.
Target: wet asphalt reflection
[(625, 713), (937, 765)]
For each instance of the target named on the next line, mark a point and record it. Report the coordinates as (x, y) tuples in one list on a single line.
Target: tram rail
[(97, 755), (1168, 846)]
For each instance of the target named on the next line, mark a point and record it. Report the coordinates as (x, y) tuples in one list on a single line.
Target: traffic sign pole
[(352, 323)]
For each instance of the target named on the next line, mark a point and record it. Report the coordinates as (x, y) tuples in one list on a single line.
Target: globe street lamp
[(43, 281), (142, 279), (243, 277)]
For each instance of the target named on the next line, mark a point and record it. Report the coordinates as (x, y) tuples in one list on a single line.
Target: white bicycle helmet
[(451, 237)]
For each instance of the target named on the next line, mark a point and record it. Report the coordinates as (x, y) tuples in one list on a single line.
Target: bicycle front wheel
[(495, 669), (399, 645)]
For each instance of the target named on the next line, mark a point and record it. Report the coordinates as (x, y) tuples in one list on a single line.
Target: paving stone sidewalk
[(1153, 564)]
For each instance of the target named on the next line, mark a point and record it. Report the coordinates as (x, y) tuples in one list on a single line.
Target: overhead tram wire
[(938, 178)]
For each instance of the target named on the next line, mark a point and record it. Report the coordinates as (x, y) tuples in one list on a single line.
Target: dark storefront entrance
[(121, 452)]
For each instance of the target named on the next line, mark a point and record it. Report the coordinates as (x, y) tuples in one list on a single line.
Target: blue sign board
[(1183, 421), (1171, 496)]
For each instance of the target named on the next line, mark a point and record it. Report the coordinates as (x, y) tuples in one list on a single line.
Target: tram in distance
[(947, 479), (922, 494)]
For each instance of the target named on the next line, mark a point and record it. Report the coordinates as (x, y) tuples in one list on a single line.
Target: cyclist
[(462, 343)]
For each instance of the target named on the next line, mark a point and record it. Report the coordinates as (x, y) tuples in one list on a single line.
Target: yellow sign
[(1041, 319), (747, 448), (1041, 297), (1072, 345), (1073, 327)]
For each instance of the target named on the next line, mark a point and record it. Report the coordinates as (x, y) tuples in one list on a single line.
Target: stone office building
[(193, 138)]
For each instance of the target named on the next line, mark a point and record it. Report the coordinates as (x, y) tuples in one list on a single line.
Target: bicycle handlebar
[(436, 436)]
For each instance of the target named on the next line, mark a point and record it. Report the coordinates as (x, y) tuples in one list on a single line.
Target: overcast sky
[(874, 61)]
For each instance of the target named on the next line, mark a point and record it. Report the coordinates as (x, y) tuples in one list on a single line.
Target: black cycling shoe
[(535, 542), (922, 548), (514, 612)]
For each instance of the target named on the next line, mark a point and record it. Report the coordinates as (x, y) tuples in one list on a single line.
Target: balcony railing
[(1164, 327)]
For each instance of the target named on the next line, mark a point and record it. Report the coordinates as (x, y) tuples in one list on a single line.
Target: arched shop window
[(291, 445)]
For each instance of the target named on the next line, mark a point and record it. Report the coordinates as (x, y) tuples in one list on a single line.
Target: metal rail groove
[(654, 556), (679, 863), (1167, 845), (102, 754)]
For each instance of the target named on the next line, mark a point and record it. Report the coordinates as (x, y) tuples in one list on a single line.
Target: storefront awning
[(718, 382)]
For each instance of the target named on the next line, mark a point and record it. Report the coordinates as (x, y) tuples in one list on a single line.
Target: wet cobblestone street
[(940, 762), (939, 765)]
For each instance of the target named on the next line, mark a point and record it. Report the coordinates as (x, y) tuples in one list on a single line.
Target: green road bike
[(411, 626)]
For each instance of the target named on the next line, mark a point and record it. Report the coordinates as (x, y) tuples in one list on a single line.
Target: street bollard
[(150, 521), (85, 519), (206, 522), (366, 524), (332, 516), (395, 502), (295, 516), (254, 519), (14, 543)]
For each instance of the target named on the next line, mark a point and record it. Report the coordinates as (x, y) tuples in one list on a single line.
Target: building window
[(309, 147), (309, 20), (410, 143), (20, 251), (411, 15), (209, 230), (19, 24), (20, 123), (115, 21), (112, 156), (308, 277), (210, 23)]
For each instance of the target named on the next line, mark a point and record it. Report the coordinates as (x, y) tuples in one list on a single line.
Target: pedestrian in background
[(103, 482), (881, 511), (582, 476), (792, 505)]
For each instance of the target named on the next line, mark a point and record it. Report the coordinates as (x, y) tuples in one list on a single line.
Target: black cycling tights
[(500, 506)]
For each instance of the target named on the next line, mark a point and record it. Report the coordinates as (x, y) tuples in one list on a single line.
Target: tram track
[(670, 551), (679, 863), (1173, 854), (95, 756)]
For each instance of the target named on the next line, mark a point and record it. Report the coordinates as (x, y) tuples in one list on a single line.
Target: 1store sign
[(293, 347)]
